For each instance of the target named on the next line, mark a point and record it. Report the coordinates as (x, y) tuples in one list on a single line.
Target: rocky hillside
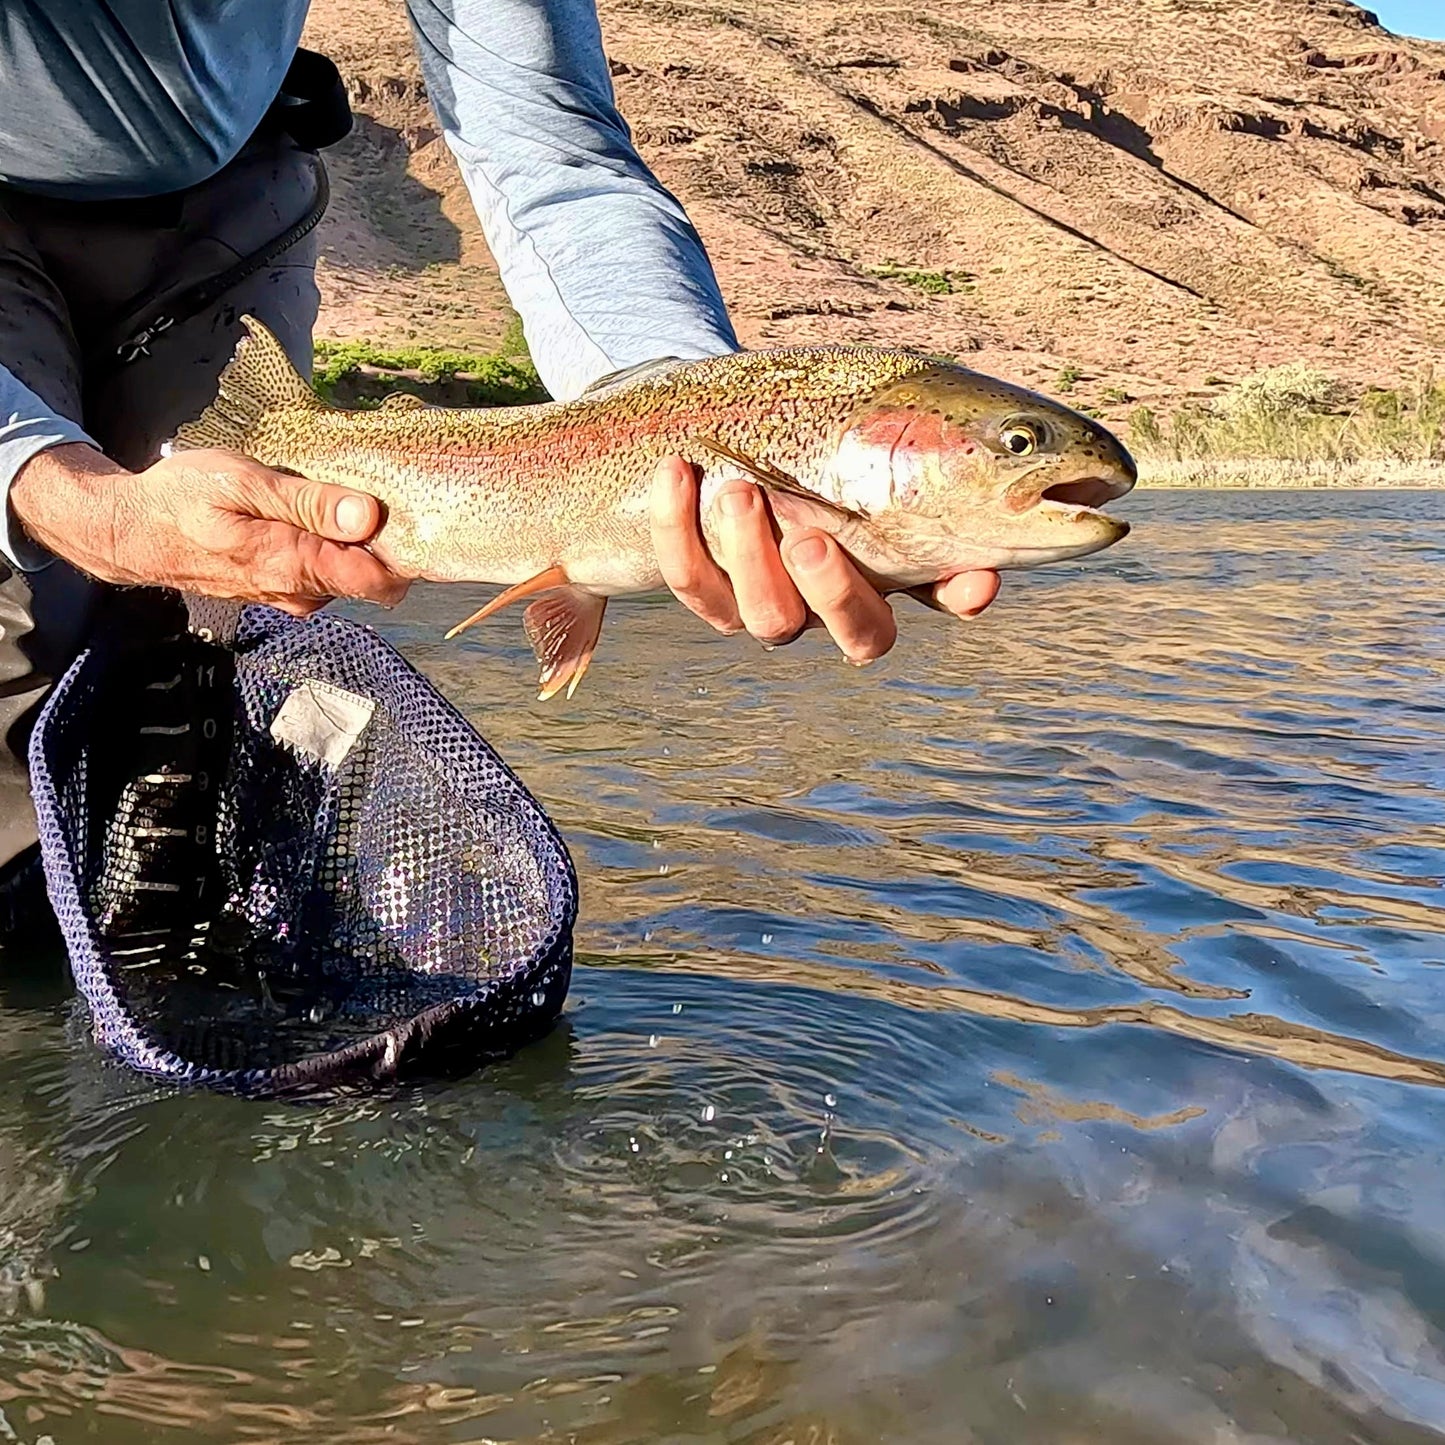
[(1126, 200)]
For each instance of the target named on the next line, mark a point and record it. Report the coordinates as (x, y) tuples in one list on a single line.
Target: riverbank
[(1264, 473)]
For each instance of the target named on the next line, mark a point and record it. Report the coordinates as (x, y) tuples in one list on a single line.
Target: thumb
[(336, 513)]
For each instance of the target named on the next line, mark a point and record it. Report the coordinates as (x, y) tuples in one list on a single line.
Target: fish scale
[(921, 470)]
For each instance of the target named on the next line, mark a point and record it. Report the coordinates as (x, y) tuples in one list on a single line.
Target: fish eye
[(1020, 437)]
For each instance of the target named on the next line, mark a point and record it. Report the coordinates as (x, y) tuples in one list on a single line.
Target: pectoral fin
[(543, 582), (769, 477), (563, 628)]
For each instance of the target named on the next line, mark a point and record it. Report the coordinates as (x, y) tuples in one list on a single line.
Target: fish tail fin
[(258, 379)]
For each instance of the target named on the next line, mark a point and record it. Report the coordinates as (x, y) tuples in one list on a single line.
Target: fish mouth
[(1088, 493), (1081, 500), (1066, 521)]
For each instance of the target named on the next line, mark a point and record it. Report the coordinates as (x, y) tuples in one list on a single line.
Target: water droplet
[(667, 752), (702, 692), (677, 1008), (657, 842), (204, 1263), (316, 1013), (646, 937), (662, 867), (767, 938), (727, 1153), (652, 1041), (633, 1145), (708, 1113), (538, 999), (831, 1100)]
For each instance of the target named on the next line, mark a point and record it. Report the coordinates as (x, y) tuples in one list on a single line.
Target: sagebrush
[(1294, 413)]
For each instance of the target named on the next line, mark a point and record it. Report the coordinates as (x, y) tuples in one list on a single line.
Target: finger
[(341, 571), (768, 602), (682, 558), (337, 513), (849, 606), (307, 608), (967, 594), (303, 567)]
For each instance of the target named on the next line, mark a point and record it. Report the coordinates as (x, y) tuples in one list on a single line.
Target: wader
[(120, 315)]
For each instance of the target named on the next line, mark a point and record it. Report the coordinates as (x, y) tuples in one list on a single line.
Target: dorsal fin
[(404, 401), (657, 365)]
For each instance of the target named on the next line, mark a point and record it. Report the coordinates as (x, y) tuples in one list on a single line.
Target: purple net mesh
[(291, 863)]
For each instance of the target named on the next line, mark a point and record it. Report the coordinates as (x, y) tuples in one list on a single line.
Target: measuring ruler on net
[(170, 753)]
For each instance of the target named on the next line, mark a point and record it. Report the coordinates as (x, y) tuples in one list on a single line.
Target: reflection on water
[(1036, 1037)]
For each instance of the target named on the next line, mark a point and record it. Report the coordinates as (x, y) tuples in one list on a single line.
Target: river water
[(1037, 1037)]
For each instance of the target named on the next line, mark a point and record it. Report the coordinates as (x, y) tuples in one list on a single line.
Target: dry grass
[(1248, 473), (1288, 423)]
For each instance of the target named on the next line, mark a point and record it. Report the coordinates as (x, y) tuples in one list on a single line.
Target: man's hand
[(206, 522), (773, 592)]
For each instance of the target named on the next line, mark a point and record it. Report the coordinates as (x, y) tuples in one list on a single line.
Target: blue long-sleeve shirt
[(109, 99)]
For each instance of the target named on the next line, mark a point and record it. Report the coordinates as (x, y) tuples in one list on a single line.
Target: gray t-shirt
[(135, 97)]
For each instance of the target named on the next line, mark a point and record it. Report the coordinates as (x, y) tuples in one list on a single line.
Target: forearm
[(211, 522), (29, 430), (65, 499), (598, 257)]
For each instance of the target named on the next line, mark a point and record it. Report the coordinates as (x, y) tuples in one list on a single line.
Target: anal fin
[(563, 628), (544, 581)]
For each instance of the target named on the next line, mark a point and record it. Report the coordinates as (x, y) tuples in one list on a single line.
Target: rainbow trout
[(920, 469)]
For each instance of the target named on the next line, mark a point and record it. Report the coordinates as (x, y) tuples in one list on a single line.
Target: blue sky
[(1411, 17)]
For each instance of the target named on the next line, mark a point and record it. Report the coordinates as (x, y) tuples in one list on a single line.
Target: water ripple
[(1036, 1037)]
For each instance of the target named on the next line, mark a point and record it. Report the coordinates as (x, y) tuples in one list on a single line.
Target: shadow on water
[(1035, 1038)]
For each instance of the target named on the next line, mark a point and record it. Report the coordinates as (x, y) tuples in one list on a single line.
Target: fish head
[(954, 470)]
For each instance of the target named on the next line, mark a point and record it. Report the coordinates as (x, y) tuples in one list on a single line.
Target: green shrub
[(491, 379)]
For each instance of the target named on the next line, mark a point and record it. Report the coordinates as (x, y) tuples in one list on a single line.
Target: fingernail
[(736, 503), (809, 552), (353, 516)]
